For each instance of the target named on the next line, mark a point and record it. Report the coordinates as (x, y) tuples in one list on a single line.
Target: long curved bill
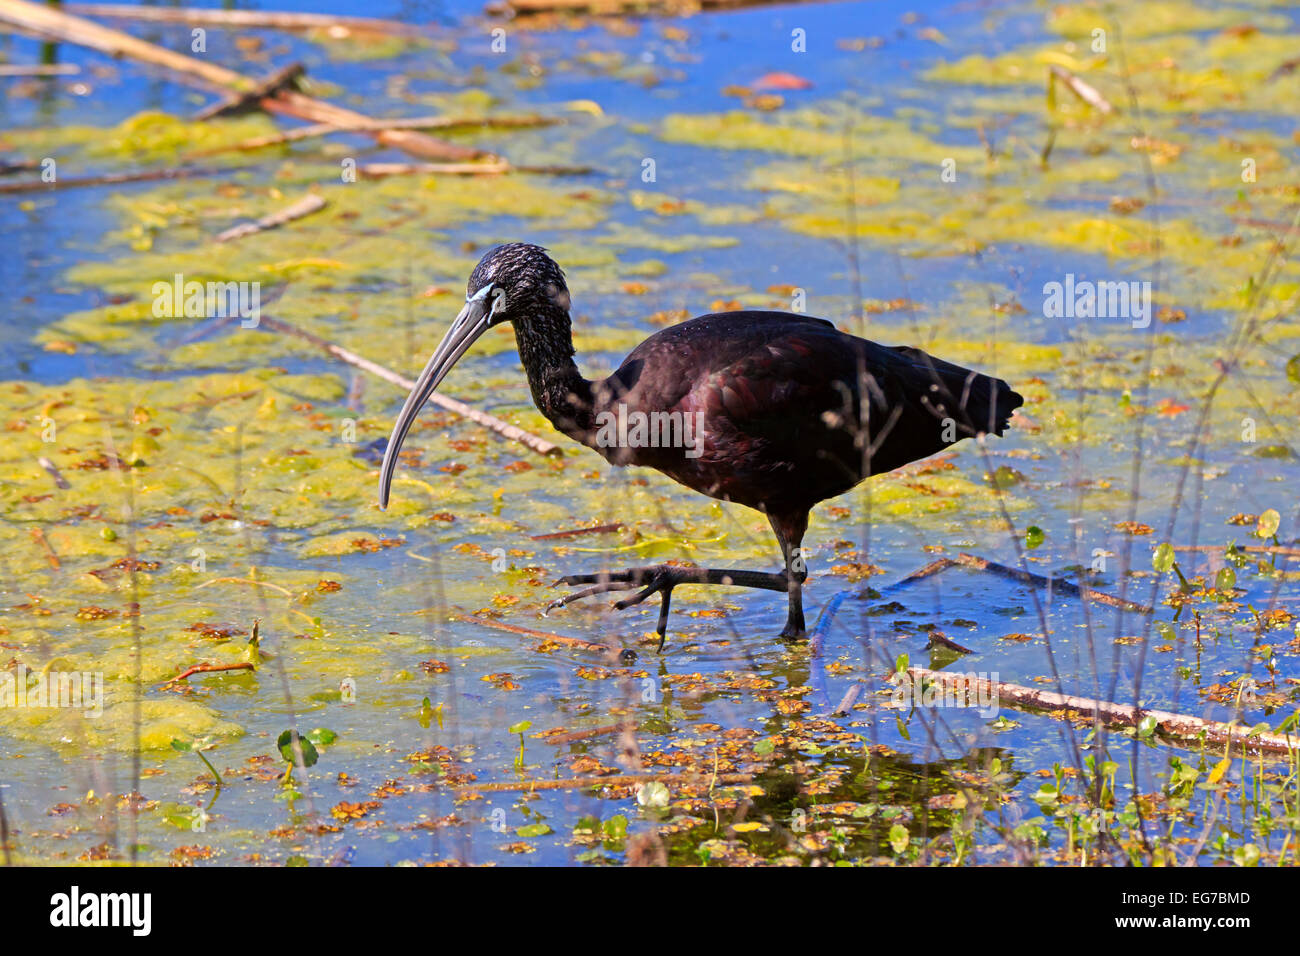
[(469, 325)]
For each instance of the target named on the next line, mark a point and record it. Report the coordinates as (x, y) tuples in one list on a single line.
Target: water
[(260, 463)]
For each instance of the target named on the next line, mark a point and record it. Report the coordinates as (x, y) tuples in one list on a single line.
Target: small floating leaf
[(1163, 558), (309, 752)]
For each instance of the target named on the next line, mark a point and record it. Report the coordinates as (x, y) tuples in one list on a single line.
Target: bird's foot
[(660, 579), (793, 632)]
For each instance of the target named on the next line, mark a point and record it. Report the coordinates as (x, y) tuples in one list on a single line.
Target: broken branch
[(543, 636), (1179, 727), (303, 207), (208, 669), (1083, 90), (372, 125), (52, 24), (1025, 577), (265, 19), (625, 780), (514, 432)]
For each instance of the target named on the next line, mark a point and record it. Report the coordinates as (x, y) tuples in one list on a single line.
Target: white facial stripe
[(477, 296)]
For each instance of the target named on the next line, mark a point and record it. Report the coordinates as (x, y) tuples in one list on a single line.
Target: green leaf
[(322, 736), (181, 745), (1163, 558), (899, 838), (1146, 726), (1034, 536), (309, 753), (1225, 580), (534, 830), (520, 727), (901, 666), (1268, 524)]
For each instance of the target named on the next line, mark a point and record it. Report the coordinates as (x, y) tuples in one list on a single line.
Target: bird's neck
[(545, 342)]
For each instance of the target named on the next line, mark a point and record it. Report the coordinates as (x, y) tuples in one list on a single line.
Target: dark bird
[(773, 410)]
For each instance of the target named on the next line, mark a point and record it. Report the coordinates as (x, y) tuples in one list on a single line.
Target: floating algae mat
[(190, 496)]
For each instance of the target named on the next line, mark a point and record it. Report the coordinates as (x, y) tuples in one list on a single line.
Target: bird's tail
[(980, 404), (1001, 403)]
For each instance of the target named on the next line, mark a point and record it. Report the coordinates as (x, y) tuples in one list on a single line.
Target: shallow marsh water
[(248, 472)]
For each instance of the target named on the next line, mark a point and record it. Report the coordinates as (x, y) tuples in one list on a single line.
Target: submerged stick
[(1060, 584), (977, 563), (303, 207), (513, 432), (1181, 727)]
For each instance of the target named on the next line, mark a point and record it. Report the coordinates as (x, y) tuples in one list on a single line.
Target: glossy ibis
[(773, 410)]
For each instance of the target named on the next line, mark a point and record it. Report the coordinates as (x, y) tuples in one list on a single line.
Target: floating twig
[(943, 640), (10, 166), (1080, 88), (248, 98), (303, 207), (1246, 548), (39, 69), (368, 126), (848, 700), (529, 632), (500, 168), (110, 179), (208, 669), (513, 432), (50, 554), (575, 532), (53, 469), (50, 23), (1025, 577), (624, 780), (575, 735), (255, 19), (934, 567), (1180, 727), (524, 8)]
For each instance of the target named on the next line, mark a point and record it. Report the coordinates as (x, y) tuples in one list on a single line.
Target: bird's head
[(511, 283)]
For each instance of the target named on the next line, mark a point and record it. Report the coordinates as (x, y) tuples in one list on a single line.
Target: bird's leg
[(661, 579), (789, 533)]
